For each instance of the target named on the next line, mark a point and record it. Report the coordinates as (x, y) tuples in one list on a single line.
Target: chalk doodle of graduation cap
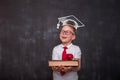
[(71, 19)]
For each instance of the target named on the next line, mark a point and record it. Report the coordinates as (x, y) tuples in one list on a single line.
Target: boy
[(67, 35)]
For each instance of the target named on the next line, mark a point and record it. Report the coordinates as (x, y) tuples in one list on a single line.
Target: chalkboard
[(28, 34)]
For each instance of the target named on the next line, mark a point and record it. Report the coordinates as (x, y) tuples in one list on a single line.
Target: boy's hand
[(65, 69), (61, 68), (56, 68)]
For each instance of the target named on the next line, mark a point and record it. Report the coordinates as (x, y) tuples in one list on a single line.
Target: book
[(63, 63)]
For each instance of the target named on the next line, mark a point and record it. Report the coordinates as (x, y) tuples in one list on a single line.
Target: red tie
[(64, 54), (63, 58)]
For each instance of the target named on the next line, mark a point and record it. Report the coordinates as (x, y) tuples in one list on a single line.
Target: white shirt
[(57, 55)]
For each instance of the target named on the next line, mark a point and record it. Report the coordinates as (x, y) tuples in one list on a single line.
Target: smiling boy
[(67, 35)]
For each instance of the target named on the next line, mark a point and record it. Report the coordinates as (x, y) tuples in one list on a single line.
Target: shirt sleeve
[(54, 54), (77, 52)]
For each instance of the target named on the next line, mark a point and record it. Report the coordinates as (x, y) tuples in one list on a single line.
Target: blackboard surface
[(28, 34)]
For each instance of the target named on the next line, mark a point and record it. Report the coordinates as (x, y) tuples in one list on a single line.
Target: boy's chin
[(64, 42)]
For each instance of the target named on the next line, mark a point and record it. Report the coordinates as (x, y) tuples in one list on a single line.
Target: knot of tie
[(65, 47)]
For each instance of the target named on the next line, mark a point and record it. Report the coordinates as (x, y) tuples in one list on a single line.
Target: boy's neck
[(66, 44)]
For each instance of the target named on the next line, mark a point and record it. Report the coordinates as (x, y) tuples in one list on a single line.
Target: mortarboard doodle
[(71, 19)]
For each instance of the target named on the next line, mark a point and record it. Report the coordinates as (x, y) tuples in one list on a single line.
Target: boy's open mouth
[(64, 37)]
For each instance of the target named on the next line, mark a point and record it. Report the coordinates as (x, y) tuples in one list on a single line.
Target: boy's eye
[(66, 32)]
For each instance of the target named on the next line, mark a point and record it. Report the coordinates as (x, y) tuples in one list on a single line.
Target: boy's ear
[(74, 37)]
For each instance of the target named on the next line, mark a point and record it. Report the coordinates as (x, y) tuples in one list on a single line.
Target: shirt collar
[(67, 45)]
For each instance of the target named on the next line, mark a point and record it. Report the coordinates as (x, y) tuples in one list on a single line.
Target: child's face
[(67, 34)]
